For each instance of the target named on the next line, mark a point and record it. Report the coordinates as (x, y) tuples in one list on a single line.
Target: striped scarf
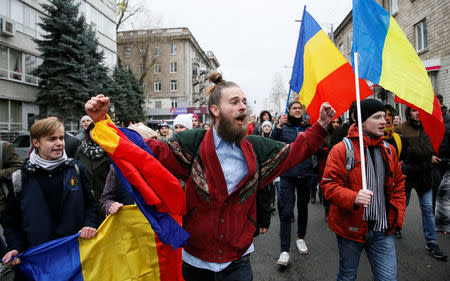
[(376, 211)]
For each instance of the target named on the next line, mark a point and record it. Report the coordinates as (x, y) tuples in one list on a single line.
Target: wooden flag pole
[(359, 120)]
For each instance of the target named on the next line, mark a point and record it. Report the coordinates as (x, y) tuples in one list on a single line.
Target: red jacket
[(346, 219), (221, 225)]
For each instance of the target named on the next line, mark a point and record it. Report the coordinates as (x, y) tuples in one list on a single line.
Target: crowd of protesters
[(68, 184)]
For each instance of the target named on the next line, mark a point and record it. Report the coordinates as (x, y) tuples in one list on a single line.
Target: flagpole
[(287, 102), (359, 120)]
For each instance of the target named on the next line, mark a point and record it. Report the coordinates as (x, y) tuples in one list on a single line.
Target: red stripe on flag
[(433, 124), (338, 88), (170, 260)]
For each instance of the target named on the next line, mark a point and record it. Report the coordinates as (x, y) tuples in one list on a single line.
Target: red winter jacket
[(345, 218)]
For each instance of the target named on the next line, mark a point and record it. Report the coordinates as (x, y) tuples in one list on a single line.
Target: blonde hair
[(44, 127)]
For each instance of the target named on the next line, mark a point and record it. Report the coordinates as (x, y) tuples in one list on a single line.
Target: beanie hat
[(369, 107), (196, 117), (163, 124), (292, 103), (266, 123), (183, 119), (144, 131)]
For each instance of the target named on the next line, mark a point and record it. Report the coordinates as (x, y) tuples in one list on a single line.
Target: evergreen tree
[(127, 97), (72, 68)]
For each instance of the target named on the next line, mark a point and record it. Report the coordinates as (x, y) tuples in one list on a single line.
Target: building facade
[(19, 55), (172, 68), (426, 24)]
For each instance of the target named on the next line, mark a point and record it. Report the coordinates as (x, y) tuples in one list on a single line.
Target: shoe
[(433, 249), (284, 259), (4, 271), (397, 234), (301, 246)]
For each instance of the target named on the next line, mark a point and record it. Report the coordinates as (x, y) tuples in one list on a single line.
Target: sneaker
[(284, 259), (4, 271), (433, 249), (301, 245), (397, 234)]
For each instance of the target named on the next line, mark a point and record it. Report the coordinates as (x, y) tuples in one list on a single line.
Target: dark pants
[(288, 187), (238, 270)]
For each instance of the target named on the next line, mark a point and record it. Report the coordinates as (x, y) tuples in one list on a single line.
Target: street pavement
[(413, 262)]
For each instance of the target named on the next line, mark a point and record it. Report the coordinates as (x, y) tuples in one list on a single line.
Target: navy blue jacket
[(288, 134), (52, 204)]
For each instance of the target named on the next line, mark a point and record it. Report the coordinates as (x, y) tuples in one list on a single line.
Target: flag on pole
[(125, 248), (388, 59), (321, 73)]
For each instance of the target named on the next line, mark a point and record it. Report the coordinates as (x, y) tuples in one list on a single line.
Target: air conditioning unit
[(8, 27)]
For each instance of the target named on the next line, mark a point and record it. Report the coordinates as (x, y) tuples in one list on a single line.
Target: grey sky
[(252, 39)]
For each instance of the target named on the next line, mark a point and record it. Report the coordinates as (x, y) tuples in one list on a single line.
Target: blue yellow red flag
[(125, 248), (321, 73), (388, 59)]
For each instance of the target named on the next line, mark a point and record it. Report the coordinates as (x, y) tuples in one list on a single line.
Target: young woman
[(52, 196)]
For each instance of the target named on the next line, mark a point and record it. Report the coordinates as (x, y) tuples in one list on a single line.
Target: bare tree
[(127, 9), (279, 93)]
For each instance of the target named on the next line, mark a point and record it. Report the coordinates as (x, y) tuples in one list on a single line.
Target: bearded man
[(223, 170)]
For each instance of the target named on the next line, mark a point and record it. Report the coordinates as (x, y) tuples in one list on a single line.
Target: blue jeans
[(380, 250), (426, 206), (288, 188), (238, 270)]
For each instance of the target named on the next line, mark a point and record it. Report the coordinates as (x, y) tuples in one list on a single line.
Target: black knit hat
[(292, 103), (369, 107)]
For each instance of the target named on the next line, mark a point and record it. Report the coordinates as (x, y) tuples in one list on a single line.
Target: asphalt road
[(413, 262)]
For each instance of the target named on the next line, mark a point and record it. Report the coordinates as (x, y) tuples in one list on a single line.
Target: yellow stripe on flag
[(403, 72), (105, 136), (123, 249), (321, 58)]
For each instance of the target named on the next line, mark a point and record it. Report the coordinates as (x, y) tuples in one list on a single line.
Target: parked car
[(22, 144)]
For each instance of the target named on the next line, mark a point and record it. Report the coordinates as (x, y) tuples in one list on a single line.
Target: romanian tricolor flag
[(388, 59), (321, 73), (125, 248), (155, 190)]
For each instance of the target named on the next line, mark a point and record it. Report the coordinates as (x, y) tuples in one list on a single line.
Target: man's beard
[(229, 131)]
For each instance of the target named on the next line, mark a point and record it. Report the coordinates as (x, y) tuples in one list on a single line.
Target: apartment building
[(427, 26), (19, 55), (176, 70)]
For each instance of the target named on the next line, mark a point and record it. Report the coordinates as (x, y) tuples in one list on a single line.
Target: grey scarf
[(376, 211), (46, 164)]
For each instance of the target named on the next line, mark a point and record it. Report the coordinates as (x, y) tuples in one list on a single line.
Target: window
[(341, 48), (393, 6), (350, 41), (127, 52), (157, 87), (126, 66), (30, 65), (421, 35), (173, 67), (141, 69), (158, 104), (144, 87), (173, 49), (174, 104), (141, 53), (157, 68), (157, 51), (14, 64), (3, 61), (173, 85)]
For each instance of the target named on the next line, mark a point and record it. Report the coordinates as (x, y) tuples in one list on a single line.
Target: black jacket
[(51, 204)]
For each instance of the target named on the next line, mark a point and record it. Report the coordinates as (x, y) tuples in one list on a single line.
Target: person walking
[(365, 219), (418, 158), (51, 196), (298, 180), (223, 170)]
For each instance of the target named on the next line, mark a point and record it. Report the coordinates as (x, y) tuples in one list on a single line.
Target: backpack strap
[(16, 178), (350, 155)]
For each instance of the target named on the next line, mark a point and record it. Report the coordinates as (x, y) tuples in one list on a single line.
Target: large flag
[(388, 59), (321, 73), (155, 190), (125, 248)]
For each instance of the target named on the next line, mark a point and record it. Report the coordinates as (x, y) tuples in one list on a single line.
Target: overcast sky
[(253, 40)]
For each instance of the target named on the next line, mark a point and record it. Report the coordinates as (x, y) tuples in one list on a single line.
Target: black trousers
[(238, 270)]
